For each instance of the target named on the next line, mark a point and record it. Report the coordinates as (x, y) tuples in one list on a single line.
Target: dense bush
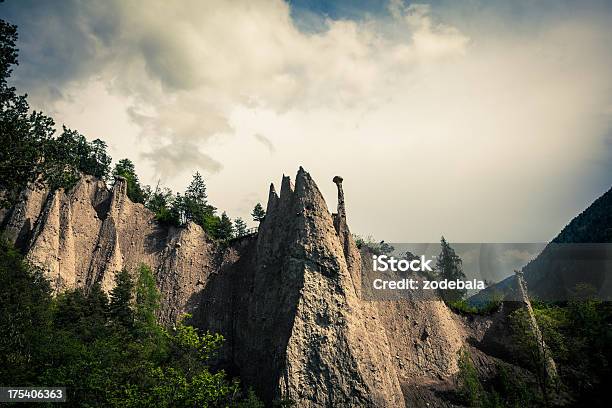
[(464, 307), (371, 245), (507, 389)]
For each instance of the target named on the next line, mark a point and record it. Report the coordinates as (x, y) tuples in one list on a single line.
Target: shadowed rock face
[(287, 300)]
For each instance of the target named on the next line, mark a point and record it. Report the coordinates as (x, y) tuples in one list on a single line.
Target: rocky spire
[(545, 354), (341, 211), (272, 200), (119, 189)]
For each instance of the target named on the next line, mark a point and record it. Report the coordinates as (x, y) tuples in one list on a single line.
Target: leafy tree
[(240, 227), (225, 230), (125, 168), (147, 296), (120, 307), (82, 313), (28, 150), (449, 266), (70, 155), (8, 50), (159, 202), (23, 134), (98, 161), (258, 213), (25, 299), (178, 210)]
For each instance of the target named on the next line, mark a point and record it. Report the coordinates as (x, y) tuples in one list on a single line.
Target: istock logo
[(384, 263)]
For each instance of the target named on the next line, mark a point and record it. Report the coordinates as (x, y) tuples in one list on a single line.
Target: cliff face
[(88, 234), (287, 299)]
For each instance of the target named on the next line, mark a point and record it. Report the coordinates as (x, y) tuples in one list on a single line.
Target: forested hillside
[(107, 350)]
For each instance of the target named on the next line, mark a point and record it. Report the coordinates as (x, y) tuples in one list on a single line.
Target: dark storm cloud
[(60, 41)]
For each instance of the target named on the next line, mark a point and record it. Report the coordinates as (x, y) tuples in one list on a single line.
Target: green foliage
[(28, 150), (225, 229), (147, 296), (70, 155), (464, 307), (258, 213), (120, 307), (191, 206), (25, 299), (579, 336), (84, 314), (251, 401), (240, 227), (195, 206), (97, 161), (81, 340), (449, 266), (470, 389), (8, 50), (532, 350), (376, 248), (24, 135), (125, 168), (159, 201), (196, 191), (505, 389)]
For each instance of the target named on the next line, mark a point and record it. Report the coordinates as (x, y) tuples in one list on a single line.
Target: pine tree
[(147, 296), (120, 307), (25, 302), (196, 207), (225, 230), (177, 213), (99, 160), (449, 266), (258, 213), (196, 191), (97, 309), (240, 227)]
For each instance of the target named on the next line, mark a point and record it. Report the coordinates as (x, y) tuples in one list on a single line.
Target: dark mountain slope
[(574, 258)]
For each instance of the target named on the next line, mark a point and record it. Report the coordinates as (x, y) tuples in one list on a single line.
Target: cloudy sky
[(479, 120)]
